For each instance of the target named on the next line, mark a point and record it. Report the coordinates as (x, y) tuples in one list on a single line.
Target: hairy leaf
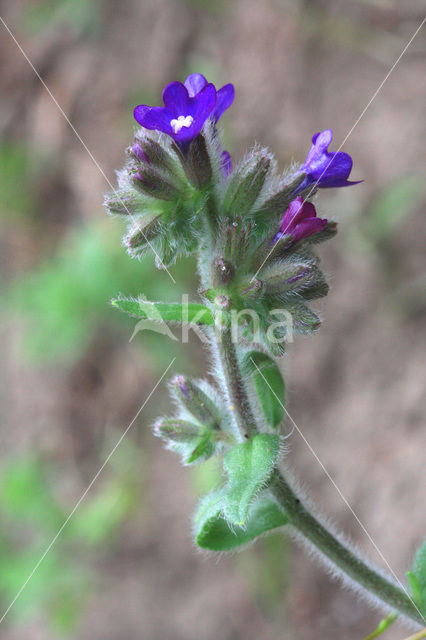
[(213, 532), (268, 383), (174, 312), (249, 467)]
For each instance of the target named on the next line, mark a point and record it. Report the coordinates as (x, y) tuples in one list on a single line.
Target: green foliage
[(31, 516), (417, 578), (175, 313), (81, 15), (213, 531), (18, 169), (390, 207), (63, 301), (248, 466), (268, 383)]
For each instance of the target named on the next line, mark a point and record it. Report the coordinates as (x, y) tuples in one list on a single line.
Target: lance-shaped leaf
[(249, 467), (213, 532), (174, 312), (269, 385)]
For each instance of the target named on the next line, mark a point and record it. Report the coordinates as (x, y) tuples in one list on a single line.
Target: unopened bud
[(150, 182), (245, 187), (250, 288), (280, 278), (196, 402), (223, 272), (177, 430), (304, 319), (141, 235), (279, 202), (121, 204)]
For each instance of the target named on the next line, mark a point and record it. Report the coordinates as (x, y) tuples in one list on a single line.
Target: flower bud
[(196, 402), (279, 202), (245, 186), (155, 154), (122, 204), (304, 319), (280, 278), (141, 235), (223, 272), (177, 430), (197, 163), (151, 183), (250, 288)]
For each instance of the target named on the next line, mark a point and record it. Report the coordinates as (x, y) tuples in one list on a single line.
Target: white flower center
[(180, 122)]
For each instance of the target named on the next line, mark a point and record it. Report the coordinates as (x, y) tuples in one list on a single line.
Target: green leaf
[(205, 448), (249, 467), (417, 578), (269, 385), (175, 312), (213, 532)]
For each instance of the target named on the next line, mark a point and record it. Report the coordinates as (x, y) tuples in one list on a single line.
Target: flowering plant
[(255, 233)]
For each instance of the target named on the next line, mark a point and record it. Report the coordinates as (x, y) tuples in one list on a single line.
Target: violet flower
[(325, 169), (196, 82), (186, 108), (182, 116), (300, 221)]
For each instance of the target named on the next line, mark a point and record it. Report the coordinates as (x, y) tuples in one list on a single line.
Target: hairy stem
[(301, 519), (240, 405), (350, 565)]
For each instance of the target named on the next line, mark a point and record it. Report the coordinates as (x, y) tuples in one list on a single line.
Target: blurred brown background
[(127, 567)]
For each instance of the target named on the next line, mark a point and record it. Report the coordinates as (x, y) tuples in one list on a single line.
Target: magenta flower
[(325, 169), (300, 221)]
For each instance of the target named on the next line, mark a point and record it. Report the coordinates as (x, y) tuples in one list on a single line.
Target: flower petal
[(307, 228), (154, 118), (194, 83), (203, 103), (176, 99), (224, 99), (296, 212)]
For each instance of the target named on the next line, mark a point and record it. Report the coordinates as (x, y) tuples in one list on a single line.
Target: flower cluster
[(179, 181)]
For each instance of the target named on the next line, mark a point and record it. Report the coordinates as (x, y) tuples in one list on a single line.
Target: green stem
[(240, 405), (382, 626), (301, 519), (339, 554)]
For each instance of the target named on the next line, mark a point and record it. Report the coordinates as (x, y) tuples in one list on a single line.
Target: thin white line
[(341, 495), (83, 496), (356, 123), (82, 142)]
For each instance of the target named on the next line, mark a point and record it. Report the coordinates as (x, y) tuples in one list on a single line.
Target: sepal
[(246, 184), (191, 397)]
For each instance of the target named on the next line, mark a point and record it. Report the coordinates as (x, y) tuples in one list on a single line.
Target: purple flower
[(224, 97), (300, 221), (182, 116), (186, 108), (325, 169)]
